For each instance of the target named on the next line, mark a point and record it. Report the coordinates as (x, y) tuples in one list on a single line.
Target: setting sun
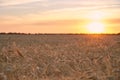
[(95, 27), (95, 24)]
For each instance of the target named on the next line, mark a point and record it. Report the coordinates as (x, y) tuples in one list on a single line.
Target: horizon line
[(20, 33)]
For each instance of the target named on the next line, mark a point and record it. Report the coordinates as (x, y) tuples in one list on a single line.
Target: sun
[(95, 27), (96, 24)]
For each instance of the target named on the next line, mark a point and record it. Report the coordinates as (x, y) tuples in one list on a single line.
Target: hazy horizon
[(65, 16)]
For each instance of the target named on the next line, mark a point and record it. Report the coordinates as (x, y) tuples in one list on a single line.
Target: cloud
[(15, 2), (60, 3), (113, 21), (61, 23), (24, 7), (12, 20)]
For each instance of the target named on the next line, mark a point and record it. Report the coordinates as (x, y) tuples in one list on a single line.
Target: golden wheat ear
[(19, 53)]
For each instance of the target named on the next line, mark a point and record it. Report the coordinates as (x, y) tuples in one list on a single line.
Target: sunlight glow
[(96, 24), (95, 27), (97, 15)]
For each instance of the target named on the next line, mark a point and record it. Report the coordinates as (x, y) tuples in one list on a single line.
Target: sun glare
[(96, 24), (95, 27)]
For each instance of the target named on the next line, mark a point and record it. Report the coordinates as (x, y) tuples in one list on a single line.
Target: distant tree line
[(118, 33), (15, 33), (12, 33)]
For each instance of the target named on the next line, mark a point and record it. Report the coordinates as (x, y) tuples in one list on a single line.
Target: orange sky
[(55, 16)]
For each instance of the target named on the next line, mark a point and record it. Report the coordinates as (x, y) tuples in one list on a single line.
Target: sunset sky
[(60, 16)]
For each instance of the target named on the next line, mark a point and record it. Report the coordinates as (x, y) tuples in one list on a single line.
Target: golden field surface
[(59, 57)]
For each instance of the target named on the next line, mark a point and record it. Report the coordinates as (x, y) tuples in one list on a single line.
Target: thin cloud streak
[(5, 3), (113, 21)]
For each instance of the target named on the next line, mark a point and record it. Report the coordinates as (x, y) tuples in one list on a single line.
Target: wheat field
[(59, 57)]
